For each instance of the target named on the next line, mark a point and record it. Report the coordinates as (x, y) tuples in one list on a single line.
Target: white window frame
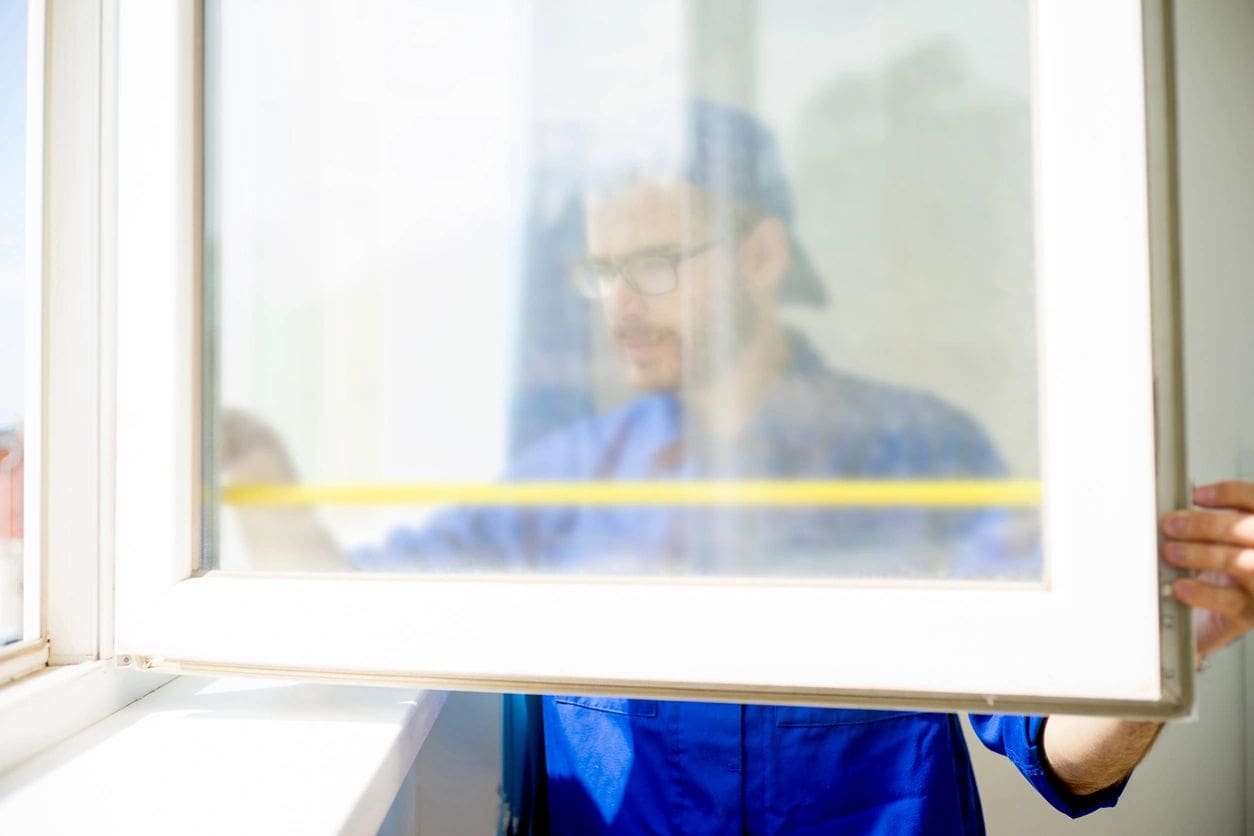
[(61, 678), (1089, 639), (65, 613)]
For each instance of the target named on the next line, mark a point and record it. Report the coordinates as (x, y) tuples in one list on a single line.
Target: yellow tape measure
[(970, 493)]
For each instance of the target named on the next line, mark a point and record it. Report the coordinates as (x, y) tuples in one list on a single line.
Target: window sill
[(204, 755), (46, 707)]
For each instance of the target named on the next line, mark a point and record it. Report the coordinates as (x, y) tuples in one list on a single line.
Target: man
[(688, 264)]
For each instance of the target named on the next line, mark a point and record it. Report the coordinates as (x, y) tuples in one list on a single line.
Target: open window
[(734, 351)]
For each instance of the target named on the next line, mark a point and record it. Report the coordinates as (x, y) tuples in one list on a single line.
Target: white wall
[(458, 771), (1198, 778)]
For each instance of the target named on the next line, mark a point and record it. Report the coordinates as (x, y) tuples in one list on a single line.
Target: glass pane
[(12, 307), (679, 288)]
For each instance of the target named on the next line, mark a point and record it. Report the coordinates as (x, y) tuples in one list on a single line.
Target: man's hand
[(1091, 753), (276, 537), (1218, 542), (249, 451)]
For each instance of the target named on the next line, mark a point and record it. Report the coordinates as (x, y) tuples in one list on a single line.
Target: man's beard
[(709, 347)]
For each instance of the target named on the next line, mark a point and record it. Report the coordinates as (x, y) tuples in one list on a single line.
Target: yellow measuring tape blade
[(970, 493)]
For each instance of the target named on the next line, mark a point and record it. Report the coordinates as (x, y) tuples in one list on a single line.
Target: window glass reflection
[(660, 288)]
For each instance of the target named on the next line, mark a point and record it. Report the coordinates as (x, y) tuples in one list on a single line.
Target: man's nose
[(624, 301)]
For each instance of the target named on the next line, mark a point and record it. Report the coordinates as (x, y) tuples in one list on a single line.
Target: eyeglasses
[(648, 275)]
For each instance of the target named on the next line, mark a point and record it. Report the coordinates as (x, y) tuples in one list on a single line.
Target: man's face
[(686, 336)]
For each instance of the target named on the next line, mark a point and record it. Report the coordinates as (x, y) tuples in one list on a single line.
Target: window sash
[(72, 469), (1089, 639)]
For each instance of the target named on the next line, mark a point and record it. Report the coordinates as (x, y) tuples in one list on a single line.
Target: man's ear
[(765, 255)]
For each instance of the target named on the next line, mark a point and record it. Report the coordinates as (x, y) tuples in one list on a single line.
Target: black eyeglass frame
[(586, 276)]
